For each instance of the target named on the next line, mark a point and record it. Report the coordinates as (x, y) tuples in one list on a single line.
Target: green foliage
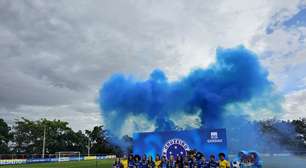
[(26, 137), (5, 136), (300, 127), (291, 135), (100, 143)]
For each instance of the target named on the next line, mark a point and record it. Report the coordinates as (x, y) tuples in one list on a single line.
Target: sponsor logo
[(214, 135), (214, 138), (13, 161)]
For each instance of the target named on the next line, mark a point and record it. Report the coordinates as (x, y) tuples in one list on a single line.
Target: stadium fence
[(13, 159)]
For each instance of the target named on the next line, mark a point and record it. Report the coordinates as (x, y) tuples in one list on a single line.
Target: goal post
[(68, 155)]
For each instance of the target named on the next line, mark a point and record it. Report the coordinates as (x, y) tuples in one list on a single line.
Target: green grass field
[(72, 164), (269, 162), (284, 162)]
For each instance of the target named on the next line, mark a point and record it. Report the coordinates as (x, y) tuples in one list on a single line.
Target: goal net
[(68, 155)]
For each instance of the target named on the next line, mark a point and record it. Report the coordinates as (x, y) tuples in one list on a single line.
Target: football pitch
[(269, 162), (71, 164), (284, 161)]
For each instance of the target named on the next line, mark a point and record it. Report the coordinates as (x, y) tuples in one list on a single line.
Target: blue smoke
[(236, 76)]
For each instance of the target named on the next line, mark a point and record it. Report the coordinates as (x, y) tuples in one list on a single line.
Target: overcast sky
[(54, 55)]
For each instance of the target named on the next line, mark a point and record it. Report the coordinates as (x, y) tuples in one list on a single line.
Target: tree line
[(26, 137), (268, 136)]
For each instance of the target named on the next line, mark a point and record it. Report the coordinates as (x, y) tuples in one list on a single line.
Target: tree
[(98, 140), (101, 142), (28, 136), (289, 135), (5, 137), (128, 141)]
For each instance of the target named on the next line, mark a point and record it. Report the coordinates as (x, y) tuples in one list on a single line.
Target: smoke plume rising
[(235, 77)]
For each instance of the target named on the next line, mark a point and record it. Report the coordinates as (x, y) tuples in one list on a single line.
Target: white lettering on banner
[(62, 159), (214, 138), (13, 161), (176, 143)]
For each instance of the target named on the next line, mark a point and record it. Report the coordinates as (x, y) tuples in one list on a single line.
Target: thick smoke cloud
[(236, 76)]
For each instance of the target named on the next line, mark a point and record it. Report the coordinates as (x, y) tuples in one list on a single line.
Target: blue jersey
[(194, 163), (144, 164), (186, 163), (171, 164), (163, 164), (151, 164), (213, 164), (137, 164), (203, 164), (118, 165), (130, 164)]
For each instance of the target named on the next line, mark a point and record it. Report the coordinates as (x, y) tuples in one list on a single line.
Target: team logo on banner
[(176, 147)]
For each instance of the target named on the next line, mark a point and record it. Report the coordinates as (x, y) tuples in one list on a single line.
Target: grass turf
[(72, 164), (269, 162)]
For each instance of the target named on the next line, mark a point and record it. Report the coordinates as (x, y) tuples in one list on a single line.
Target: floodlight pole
[(44, 142), (88, 147)]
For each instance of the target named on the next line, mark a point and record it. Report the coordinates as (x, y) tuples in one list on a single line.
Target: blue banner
[(206, 141), (46, 160)]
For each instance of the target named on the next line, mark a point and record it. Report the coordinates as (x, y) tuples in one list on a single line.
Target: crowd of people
[(247, 160), (197, 160)]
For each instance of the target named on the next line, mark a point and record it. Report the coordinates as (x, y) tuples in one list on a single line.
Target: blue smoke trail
[(236, 76)]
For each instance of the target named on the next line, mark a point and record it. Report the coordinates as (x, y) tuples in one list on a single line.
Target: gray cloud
[(80, 116), (55, 54), (54, 51)]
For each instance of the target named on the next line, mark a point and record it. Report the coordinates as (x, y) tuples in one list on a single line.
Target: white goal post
[(68, 155)]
